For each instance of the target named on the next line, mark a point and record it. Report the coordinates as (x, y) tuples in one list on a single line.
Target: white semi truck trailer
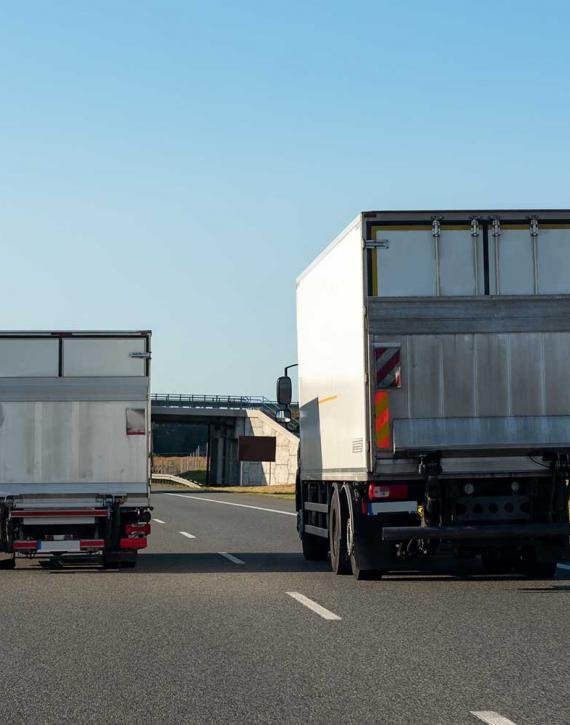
[(74, 445), (434, 389)]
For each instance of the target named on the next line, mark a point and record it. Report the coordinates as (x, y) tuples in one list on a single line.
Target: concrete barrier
[(174, 479)]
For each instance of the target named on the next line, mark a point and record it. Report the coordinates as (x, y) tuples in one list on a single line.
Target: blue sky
[(174, 165)]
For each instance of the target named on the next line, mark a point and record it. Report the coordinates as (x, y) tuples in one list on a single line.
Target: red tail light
[(387, 491), (25, 545), (137, 542), (143, 529)]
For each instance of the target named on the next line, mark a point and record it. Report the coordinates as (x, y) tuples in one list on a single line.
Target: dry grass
[(278, 491)]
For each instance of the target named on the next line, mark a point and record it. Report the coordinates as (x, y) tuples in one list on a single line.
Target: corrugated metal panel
[(454, 315), (483, 434), (69, 442), (472, 375)]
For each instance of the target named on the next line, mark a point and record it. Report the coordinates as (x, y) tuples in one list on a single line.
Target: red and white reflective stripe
[(92, 544), (25, 545), (387, 366), (39, 513)]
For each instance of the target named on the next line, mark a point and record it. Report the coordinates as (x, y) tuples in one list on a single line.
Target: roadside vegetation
[(279, 491)]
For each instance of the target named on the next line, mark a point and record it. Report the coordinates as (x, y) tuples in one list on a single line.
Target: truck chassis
[(514, 524)]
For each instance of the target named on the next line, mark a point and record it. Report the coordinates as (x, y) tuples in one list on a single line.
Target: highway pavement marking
[(231, 557), (321, 611), (159, 521), (492, 718), (187, 535), (229, 503)]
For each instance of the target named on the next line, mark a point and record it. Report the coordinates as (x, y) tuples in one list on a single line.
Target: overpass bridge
[(227, 418)]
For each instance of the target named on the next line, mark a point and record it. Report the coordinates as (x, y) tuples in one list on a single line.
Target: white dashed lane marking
[(198, 497), (491, 717), (313, 606), (159, 521), (231, 557), (187, 535)]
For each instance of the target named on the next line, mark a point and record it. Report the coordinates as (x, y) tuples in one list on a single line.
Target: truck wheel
[(315, 548), (494, 565), (365, 574), (8, 563), (338, 518), (533, 569)]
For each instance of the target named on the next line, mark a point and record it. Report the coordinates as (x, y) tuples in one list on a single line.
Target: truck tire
[(315, 548), (365, 574), (533, 569), (8, 563), (338, 519), (119, 560), (494, 564)]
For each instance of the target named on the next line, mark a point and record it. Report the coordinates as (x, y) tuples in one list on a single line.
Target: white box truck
[(434, 389), (74, 445)]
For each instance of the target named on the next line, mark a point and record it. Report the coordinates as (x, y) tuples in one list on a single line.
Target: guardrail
[(240, 402)]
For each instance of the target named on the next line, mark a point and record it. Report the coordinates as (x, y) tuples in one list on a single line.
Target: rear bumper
[(464, 533)]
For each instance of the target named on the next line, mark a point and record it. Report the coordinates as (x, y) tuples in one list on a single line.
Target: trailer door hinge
[(377, 244), (140, 355)]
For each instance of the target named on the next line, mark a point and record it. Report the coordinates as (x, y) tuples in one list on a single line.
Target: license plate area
[(59, 546)]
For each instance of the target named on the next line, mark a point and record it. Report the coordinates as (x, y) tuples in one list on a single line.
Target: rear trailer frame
[(79, 483), (448, 377)]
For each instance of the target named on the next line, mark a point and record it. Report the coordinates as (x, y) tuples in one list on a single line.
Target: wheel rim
[(334, 529)]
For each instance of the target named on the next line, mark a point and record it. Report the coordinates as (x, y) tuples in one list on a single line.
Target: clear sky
[(174, 165)]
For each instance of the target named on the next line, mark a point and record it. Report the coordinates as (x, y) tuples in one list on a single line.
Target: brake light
[(387, 491), (143, 529), (25, 545), (137, 542)]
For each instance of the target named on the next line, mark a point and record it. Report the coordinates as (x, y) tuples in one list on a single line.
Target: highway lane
[(192, 636)]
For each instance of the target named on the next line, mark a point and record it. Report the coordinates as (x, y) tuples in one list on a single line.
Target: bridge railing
[(258, 402), (214, 401)]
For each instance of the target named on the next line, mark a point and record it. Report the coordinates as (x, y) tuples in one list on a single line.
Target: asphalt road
[(192, 636)]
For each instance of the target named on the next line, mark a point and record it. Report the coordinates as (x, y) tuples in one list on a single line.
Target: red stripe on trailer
[(92, 543), (36, 513), (25, 545)]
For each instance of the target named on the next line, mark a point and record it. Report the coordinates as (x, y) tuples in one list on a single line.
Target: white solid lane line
[(187, 535), (321, 611), (159, 521), (229, 503), (231, 557), (492, 718)]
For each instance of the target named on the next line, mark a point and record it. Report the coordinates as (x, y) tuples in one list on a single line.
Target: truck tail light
[(91, 544), (136, 542), (387, 491), (25, 545), (142, 529)]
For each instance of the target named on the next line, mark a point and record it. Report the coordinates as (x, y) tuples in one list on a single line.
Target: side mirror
[(284, 390), (283, 416)]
